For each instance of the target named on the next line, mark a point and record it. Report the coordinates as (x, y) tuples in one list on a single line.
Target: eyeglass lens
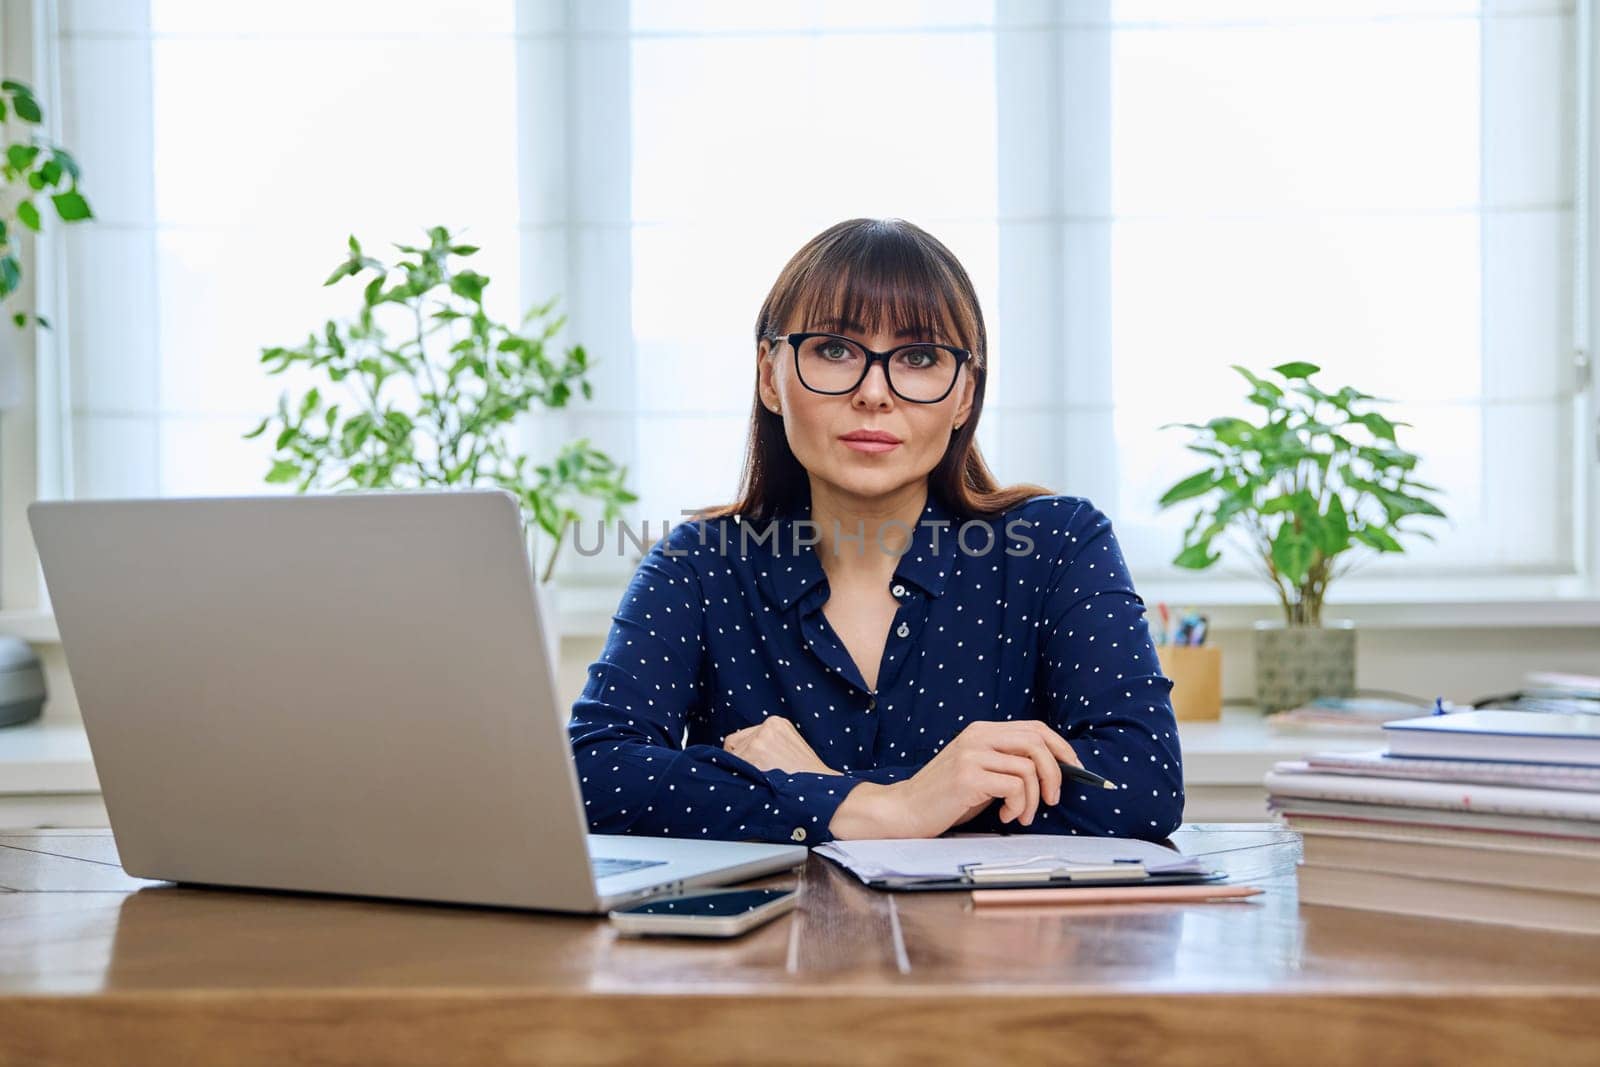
[(834, 365)]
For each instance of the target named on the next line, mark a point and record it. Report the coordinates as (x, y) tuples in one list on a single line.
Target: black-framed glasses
[(921, 372)]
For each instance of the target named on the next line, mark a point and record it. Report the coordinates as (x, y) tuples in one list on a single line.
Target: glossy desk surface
[(93, 961)]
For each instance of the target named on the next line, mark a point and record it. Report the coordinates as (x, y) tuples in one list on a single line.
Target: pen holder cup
[(1196, 673)]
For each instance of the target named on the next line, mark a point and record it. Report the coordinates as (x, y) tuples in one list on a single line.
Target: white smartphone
[(704, 913)]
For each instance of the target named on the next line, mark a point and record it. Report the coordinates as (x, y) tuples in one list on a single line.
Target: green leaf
[(20, 319), (21, 156), (283, 471), (28, 215), (468, 285), (343, 270), (1231, 431), (1380, 427), (1398, 504), (1196, 557), (27, 109), (1291, 554), (1378, 538), (259, 430), (1195, 485), (1297, 369), (44, 323), (1335, 528), (71, 206), (50, 173), (68, 163), (10, 274)]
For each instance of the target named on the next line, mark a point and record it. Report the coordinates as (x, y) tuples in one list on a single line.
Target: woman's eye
[(920, 358), (835, 350)]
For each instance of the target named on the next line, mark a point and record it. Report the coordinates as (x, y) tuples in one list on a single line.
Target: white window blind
[(1144, 192)]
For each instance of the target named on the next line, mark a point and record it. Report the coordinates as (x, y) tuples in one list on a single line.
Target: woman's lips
[(871, 442)]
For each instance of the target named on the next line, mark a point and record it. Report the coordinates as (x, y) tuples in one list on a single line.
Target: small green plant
[(422, 387), (32, 171), (1316, 479)]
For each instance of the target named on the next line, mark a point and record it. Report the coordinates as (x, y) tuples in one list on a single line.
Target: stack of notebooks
[(1489, 816)]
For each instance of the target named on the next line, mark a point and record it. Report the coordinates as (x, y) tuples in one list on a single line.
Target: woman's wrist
[(869, 810)]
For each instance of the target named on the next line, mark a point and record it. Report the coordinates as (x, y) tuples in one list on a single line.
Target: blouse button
[(799, 834), (898, 590), (904, 629)]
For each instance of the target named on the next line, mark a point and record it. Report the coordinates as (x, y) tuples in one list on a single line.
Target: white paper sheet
[(943, 856)]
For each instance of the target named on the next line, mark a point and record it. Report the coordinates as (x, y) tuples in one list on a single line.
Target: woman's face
[(818, 425)]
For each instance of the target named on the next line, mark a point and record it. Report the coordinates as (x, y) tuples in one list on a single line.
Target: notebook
[(965, 861), (1557, 869), (1439, 898), (1290, 779), (1367, 814), (1517, 736), (1484, 772)]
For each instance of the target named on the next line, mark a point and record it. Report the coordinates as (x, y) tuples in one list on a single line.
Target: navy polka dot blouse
[(998, 620)]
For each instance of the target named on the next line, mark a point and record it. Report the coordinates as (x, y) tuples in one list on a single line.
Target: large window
[(230, 150), (1144, 192)]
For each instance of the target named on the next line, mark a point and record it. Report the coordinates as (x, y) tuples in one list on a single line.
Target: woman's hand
[(1015, 762), (775, 745)]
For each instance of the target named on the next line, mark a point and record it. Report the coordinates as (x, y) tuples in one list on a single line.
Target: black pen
[(1075, 773)]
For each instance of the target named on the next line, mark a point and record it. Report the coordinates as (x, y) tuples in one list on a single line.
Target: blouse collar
[(788, 572)]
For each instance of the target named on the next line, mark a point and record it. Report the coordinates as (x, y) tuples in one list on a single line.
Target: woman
[(877, 640)]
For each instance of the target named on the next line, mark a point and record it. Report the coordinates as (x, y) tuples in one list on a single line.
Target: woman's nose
[(874, 388)]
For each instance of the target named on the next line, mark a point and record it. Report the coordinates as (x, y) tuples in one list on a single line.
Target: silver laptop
[(345, 693)]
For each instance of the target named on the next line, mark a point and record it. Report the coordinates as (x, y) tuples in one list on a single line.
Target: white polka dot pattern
[(707, 641)]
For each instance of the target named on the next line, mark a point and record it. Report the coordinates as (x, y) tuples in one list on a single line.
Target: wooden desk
[(96, 967)]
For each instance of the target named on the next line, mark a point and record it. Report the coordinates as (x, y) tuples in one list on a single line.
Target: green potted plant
[(421, 388), (1317, 485), (37, 178)]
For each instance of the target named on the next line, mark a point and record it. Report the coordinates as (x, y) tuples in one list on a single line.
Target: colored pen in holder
[(1194, 667)]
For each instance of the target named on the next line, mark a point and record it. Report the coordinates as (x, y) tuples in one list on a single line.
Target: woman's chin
[(860, 480)]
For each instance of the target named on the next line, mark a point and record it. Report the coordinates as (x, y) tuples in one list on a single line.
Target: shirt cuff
[(806, 801)]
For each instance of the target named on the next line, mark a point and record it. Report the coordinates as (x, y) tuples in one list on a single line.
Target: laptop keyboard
[(606, 866)]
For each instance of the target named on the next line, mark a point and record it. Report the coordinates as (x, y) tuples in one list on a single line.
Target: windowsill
[(44, 757), (585, 609)]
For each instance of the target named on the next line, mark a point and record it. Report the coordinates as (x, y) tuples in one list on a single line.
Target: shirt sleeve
[(1102, 685), (629, 725)]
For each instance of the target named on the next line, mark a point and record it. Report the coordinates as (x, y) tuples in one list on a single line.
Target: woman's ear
[(964, 409), (766, 381)]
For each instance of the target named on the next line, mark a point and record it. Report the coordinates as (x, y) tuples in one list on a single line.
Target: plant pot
[(1297, 664)]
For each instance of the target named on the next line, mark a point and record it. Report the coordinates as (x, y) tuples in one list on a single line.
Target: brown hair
[(867, 271)]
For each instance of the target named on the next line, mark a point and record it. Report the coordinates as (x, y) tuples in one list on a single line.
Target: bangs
[(891, 287)]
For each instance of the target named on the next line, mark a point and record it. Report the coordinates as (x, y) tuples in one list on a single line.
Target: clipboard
[(964, 862), (1053, 876)]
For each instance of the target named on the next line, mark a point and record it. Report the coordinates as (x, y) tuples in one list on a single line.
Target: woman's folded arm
[(628, 728)]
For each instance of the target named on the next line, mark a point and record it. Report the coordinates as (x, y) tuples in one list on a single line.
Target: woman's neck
[(885, 526)]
